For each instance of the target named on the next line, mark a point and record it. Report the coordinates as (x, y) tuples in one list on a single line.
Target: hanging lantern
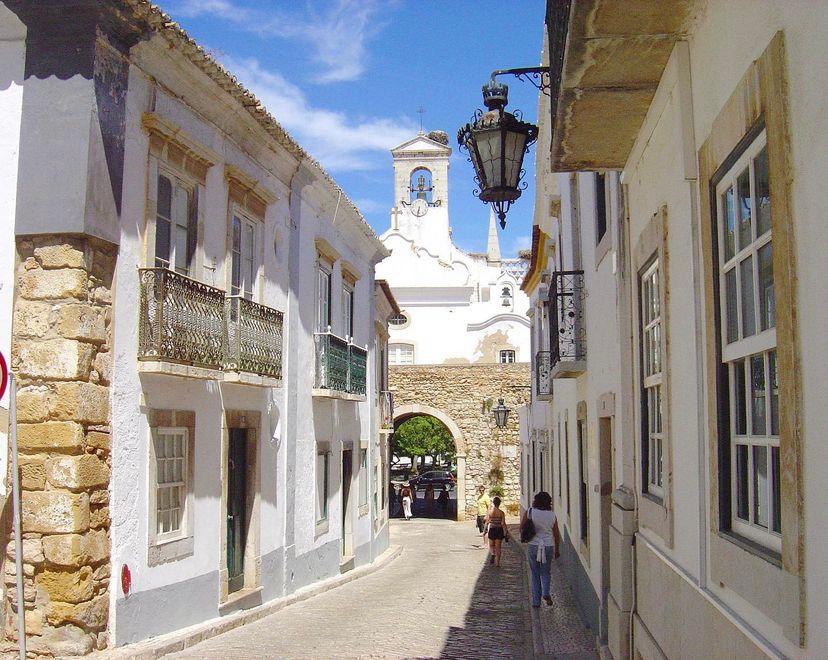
[(501, 414), (497, 141)]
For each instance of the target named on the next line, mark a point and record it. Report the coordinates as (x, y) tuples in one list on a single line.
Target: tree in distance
[(421, 436)]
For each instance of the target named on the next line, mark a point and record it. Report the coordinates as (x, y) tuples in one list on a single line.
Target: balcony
[(568, 330), (340, 366), (543, 375), (192, 329), (386, 411), (254, 338)]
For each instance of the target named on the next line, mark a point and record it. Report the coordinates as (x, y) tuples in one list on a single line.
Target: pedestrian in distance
[(497, 531), (539, 528), (484, 503), (443, 501), (405, 493), (429, 498), (392, 501)]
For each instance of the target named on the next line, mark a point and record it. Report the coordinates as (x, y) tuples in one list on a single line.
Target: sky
[(346, 79)]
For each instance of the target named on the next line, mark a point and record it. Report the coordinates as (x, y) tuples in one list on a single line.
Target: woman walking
[(545, 542), (497, 531), (484, 503), (405, 493)]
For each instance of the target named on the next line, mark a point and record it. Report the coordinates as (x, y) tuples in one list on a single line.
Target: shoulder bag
[(527, 529)]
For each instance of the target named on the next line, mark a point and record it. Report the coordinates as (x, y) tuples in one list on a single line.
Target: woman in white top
[(543, 546)]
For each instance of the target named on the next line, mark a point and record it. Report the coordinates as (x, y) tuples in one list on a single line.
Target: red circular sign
[(4, 375), (126, 579)]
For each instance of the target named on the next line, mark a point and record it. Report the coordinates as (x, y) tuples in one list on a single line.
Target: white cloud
[(372, 206), (337, 32), (523, 242), (338, 142)]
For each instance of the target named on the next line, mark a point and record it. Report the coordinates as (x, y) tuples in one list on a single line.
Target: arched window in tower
[(506, 296), (420, 186)]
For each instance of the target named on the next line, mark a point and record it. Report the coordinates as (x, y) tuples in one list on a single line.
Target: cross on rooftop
[(421, 111)]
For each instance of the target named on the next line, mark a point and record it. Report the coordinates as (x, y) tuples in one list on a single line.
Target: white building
[(198, 335), (457, 307), (678, 417)]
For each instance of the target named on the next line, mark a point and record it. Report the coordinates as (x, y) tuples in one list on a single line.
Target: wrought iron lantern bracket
[(537, 76)]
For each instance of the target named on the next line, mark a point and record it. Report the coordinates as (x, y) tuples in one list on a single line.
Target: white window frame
[(363, 480), (324, 275), (505, 354), (399, 326), (741, 353), (395, 353), (652, 370), (348, 307), (323, 481), (182, 484), (190, 187), (249, 264)]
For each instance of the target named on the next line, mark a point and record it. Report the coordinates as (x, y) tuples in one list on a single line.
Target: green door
[(236, 508)]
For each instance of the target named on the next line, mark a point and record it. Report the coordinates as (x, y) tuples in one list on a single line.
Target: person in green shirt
[(484, 503)]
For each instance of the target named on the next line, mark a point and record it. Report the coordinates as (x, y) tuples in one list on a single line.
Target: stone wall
[(61, 353), (465, 394)]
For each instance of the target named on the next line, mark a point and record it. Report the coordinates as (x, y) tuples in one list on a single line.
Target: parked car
[(436, 478)]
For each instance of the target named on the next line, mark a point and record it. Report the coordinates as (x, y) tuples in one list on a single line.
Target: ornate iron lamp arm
[(535, 75)]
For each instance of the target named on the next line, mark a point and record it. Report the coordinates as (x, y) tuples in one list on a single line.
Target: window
[(323, 312), (363, 478), (243, 262), (323, 464), (400, 354), (170, 448), (399, 320), (348, 311), (748, 339), (651, 384), (600, 207), (583, 471), (507, 357), (175, 225)]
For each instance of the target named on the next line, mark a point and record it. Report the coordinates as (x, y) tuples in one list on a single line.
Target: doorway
[(236, 508), (347, 529)]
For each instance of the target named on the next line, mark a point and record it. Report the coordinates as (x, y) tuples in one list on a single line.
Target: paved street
[(439, 599)]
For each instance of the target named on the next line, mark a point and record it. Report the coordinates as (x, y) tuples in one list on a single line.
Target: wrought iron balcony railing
[(568, 331), (182, 320), (253, 337), (543, 373), (340, 365), (357, 369), (386, 410)]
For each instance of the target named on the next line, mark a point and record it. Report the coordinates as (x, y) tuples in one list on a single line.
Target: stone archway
[(401, 413)]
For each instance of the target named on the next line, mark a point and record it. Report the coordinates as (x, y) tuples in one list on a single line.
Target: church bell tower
[(420, 211)]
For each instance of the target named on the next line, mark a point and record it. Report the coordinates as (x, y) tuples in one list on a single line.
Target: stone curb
[(162, 645)]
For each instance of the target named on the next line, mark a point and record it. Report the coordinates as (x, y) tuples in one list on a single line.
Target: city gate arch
[(404, 412)]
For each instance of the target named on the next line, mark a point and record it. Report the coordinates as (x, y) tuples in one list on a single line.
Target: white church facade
[(461, 339), (457, 307)]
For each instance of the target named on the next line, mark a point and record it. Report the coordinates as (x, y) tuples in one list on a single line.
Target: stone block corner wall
[(61, 341)]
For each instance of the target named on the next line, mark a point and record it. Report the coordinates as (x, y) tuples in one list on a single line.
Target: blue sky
[(346, 77)]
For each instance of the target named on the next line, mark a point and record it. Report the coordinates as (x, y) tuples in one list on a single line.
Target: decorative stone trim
[(350, 274), (326, 251), (761, 96), (247, 192), (169, 143)]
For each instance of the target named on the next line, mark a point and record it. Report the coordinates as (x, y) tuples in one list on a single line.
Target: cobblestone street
[(439, 599)]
